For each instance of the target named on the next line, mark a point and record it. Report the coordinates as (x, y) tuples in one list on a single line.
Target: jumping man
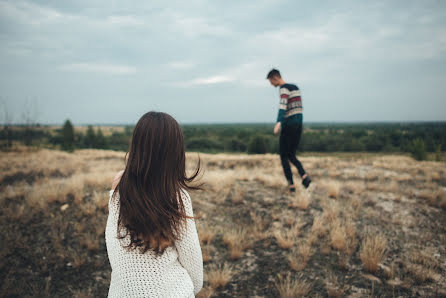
[(289, 122)]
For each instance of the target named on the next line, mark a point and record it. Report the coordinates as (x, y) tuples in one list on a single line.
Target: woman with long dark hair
[(152, 242)]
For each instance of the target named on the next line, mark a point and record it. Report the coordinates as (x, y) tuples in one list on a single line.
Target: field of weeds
[(367, 226)]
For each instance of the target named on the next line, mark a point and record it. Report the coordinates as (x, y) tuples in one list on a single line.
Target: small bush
[(258, 145), (418, 149)]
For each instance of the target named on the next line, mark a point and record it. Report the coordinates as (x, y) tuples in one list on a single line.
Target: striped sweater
[(290, 108)]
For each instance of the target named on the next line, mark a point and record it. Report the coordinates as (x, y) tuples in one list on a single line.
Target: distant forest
[(416, 138)]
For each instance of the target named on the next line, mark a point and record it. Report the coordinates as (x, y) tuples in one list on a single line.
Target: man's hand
[(277, 128)]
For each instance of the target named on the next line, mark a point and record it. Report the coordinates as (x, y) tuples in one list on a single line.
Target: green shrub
[(68, 136), (418, 149), (258, 145), (438, 153)]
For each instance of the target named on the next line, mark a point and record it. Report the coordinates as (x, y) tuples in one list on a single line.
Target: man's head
[(274, 77)]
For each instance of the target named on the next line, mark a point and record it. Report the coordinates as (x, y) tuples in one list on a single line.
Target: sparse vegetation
[(251, 229), (372, 251), (237, 241), (219, 276), (289, 287)]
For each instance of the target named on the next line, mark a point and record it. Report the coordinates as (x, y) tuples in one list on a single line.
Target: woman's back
[(177, 272), (152, 242)]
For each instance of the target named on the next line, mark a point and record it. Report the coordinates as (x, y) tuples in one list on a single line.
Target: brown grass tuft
[(205, 293), (422, 266), (338, 237), (298, 258), (372, 251), (219, 276), (237, 240), (260, 226), (287, 237), (319, 228), (100, 199), (206, 233), (331, 211), (289, 287), (301, 200), (333, 189)]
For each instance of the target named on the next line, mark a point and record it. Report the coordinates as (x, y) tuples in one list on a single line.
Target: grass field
[(369, 225)]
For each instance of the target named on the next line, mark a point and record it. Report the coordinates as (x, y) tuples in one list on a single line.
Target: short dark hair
[(273, 73)]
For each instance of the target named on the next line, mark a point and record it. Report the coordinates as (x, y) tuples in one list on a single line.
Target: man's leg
[(294, 143), (284, 153)]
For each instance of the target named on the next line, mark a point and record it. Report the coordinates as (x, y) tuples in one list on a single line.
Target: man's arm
[(284, 94)]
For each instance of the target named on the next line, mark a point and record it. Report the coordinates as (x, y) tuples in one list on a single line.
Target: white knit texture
[(178, 272)]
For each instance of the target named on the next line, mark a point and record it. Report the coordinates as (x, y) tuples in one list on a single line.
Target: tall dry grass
[(289, 287), (218, 276), (372, 251), (237, 241)]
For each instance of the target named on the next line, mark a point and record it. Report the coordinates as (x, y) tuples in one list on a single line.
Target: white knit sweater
[(178, 272)]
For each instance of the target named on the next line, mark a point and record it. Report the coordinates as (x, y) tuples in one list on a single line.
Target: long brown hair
[(151, 208)]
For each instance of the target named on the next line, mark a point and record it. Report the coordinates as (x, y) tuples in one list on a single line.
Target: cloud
[(123, 20), (193, 26), (211, 80), (29, 13), (110, 69)]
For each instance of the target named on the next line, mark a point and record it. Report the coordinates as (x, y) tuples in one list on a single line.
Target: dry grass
[(206, 251), (206, 292), (287, 237), (372, 251), (206, 233), (354, 187), (422, 266), (14, 212), (318, 227), (331, 211), (338, 236), (298, 258), (269, 180), (289, 287), (333, 288), (435, 197), (219, 276), (100, 199), (333, 188), (219, 182), (301, 200), (237, 240), (71, 190), (260, 225), (355, 206), (90, 242), (238, 195)]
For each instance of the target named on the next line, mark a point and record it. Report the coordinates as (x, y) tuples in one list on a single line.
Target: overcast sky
[(206, 61)]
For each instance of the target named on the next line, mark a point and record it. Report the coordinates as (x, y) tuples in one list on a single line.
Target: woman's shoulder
[(185, 195), (116, 180)]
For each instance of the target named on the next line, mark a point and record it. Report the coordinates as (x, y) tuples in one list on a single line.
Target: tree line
[(419, 139)]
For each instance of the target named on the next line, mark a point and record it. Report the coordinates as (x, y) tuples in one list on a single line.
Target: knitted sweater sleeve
[(188, 247), (284, 94)]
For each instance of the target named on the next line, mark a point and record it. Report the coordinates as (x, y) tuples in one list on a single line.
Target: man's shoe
[(306, 181)]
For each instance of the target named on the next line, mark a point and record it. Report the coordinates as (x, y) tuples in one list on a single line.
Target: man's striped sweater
[(290, 108)]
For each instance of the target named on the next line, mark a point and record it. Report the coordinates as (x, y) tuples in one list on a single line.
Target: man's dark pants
[(289, 140)]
